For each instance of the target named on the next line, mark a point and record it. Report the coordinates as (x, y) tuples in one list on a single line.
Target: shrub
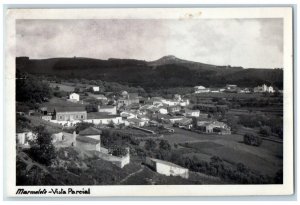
[(265, 130), (251, 139)]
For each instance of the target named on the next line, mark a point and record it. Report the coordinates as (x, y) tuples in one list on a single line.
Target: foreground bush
[(251, 139)]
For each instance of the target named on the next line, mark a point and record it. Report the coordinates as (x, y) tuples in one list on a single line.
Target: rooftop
[(90, 131), (166, 163), (69, 109), (100, 115), (87, 139)]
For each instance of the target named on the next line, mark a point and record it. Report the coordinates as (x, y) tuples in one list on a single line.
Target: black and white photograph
[(128, 100)]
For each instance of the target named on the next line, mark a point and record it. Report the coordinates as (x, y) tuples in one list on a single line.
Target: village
[(141, 118)]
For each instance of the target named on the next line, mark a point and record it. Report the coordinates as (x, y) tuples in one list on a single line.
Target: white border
[(146, 13)]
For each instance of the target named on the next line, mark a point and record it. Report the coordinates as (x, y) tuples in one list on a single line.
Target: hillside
[(75, 167), (165, 72)]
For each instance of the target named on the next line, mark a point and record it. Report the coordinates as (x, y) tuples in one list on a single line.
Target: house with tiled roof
[(167, 168), (89, 139), (103, 118), (66, 113)]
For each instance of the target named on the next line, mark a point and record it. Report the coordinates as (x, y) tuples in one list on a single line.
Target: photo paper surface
[(149, 102)]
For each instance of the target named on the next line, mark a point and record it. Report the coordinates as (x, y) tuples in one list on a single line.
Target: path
[(134, 173)]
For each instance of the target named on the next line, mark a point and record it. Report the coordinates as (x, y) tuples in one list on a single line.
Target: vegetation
[(251, 139), (141, 73), (31, 90), (42, 150)]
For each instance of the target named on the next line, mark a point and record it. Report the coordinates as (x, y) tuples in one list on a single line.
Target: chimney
[(74, 139)]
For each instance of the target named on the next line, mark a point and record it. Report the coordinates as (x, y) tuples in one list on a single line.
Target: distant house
[(163, 110), (213, 127), (231, 88), (74, 97), (57, 137), (263, 89), (89, 139), (98, 96), (201, 89), (245, 90), (110, 109), (128, 114), (167, 168), (23, 138), (184, 102), (184, 123), (173, 109), (103, 118), (137, 122), (191, 113), (73, 113), (128, 99), (95, 88)]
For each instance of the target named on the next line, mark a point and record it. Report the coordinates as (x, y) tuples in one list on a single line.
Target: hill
[(165, 72)]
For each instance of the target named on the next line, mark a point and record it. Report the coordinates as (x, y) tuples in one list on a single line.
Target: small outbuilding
[(167, 168)]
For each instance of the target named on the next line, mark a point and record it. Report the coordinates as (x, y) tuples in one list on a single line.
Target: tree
[(119, 151), (265, 130), (82, 126), (22, 123), (251, 139), (42, 149), (150, 144), (164, 144)]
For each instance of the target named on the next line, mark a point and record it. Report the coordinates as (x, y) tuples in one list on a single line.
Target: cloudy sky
[(251, 43)]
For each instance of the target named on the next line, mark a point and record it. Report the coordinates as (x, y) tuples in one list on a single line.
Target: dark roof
[(166, 163), (87, 139), (70, 109), (107, 107), (100, 115), (90, 131), (133, 95)]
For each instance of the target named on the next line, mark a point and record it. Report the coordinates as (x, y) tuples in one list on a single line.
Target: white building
[(264, 89), (167, 168), (74, 97), (95, 88), (163, 111), (201, 89), (192, 113), (111, 110), (23, 138), (88, 139), (99, 118)]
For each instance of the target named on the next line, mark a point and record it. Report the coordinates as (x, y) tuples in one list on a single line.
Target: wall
[(117, 120), (69, 116), (171, 170), (87, 146), (118, 161), (112, 111)]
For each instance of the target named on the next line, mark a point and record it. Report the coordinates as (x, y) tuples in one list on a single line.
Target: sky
[(250, 43)]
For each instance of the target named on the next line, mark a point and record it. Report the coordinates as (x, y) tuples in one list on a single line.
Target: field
[(266, 159), (63, 87)]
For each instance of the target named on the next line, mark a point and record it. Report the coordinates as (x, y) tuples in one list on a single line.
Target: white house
[(95, 88), (88, 139), (74, 97), (112, 110), (167, 168), (201, 89), (263, 89), (103, 118), (163, 111), (192, 113), (23, 138)]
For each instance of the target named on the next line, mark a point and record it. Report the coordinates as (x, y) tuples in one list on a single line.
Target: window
[(76, 116), (60, 117), (81, 116)]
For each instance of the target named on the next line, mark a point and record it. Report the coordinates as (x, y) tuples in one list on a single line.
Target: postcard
[(149, 102)]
